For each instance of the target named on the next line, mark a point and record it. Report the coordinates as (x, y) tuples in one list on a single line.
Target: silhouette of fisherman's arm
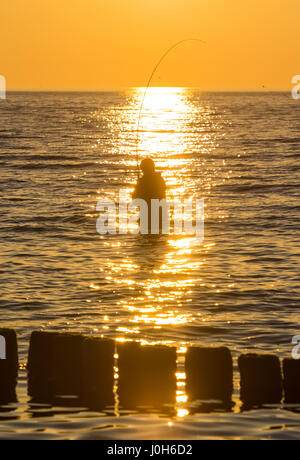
[(162, 187)]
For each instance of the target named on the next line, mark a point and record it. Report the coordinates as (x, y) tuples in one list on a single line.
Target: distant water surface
[(62, 152)]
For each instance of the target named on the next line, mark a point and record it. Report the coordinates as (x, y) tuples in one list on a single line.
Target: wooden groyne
[(76, 369), (62, 365), (147, 375), (8, 365), (209, 374), (291, 380), (261, 379)]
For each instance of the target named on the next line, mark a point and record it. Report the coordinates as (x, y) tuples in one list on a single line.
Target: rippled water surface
[(62, 152)]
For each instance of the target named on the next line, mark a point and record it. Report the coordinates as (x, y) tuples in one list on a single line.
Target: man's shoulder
[(159, 176)]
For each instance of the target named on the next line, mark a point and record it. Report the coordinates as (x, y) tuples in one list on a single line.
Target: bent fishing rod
[(148, 86)]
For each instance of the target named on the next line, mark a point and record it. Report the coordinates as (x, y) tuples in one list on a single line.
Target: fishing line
[(148, 85)]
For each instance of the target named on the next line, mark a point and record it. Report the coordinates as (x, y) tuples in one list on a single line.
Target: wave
[(43, 157), (279, 140), (50, 166), (255, 187)]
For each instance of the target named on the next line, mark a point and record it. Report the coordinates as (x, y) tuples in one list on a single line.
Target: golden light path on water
[(158, 293)]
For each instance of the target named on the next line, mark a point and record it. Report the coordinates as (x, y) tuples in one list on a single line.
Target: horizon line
[(99, 90)]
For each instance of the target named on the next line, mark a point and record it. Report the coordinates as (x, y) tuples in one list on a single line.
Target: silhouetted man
[(151, 186)]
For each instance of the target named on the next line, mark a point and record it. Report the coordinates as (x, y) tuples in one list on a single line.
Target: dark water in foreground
[(61, 153)]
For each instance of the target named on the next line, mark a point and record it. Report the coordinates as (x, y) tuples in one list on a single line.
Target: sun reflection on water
[(181, 395), (153, 279), (162, 127)]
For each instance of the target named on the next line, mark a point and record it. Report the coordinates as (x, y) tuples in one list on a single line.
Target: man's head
[(148, 166)]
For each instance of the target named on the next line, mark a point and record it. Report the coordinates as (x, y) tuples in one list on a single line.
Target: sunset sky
[(98, 44)]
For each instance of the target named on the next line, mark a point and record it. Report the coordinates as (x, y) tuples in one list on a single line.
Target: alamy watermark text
[(296, 349), (2, 347), (151, 217), (296, 89), (2, 87)]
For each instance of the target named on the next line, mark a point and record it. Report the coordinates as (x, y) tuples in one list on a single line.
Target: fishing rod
[(148, 85)]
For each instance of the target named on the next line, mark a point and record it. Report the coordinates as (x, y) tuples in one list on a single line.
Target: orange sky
[(95, 44)]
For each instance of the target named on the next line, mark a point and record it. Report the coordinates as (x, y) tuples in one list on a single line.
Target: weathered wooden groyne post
[(147, 375), (97, 373), (209, 374), (63, 365), (291, 382), (8, 365), (54, 365), (261, 379)]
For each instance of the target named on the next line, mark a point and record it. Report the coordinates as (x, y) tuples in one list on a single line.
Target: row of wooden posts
[(63, 365)]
